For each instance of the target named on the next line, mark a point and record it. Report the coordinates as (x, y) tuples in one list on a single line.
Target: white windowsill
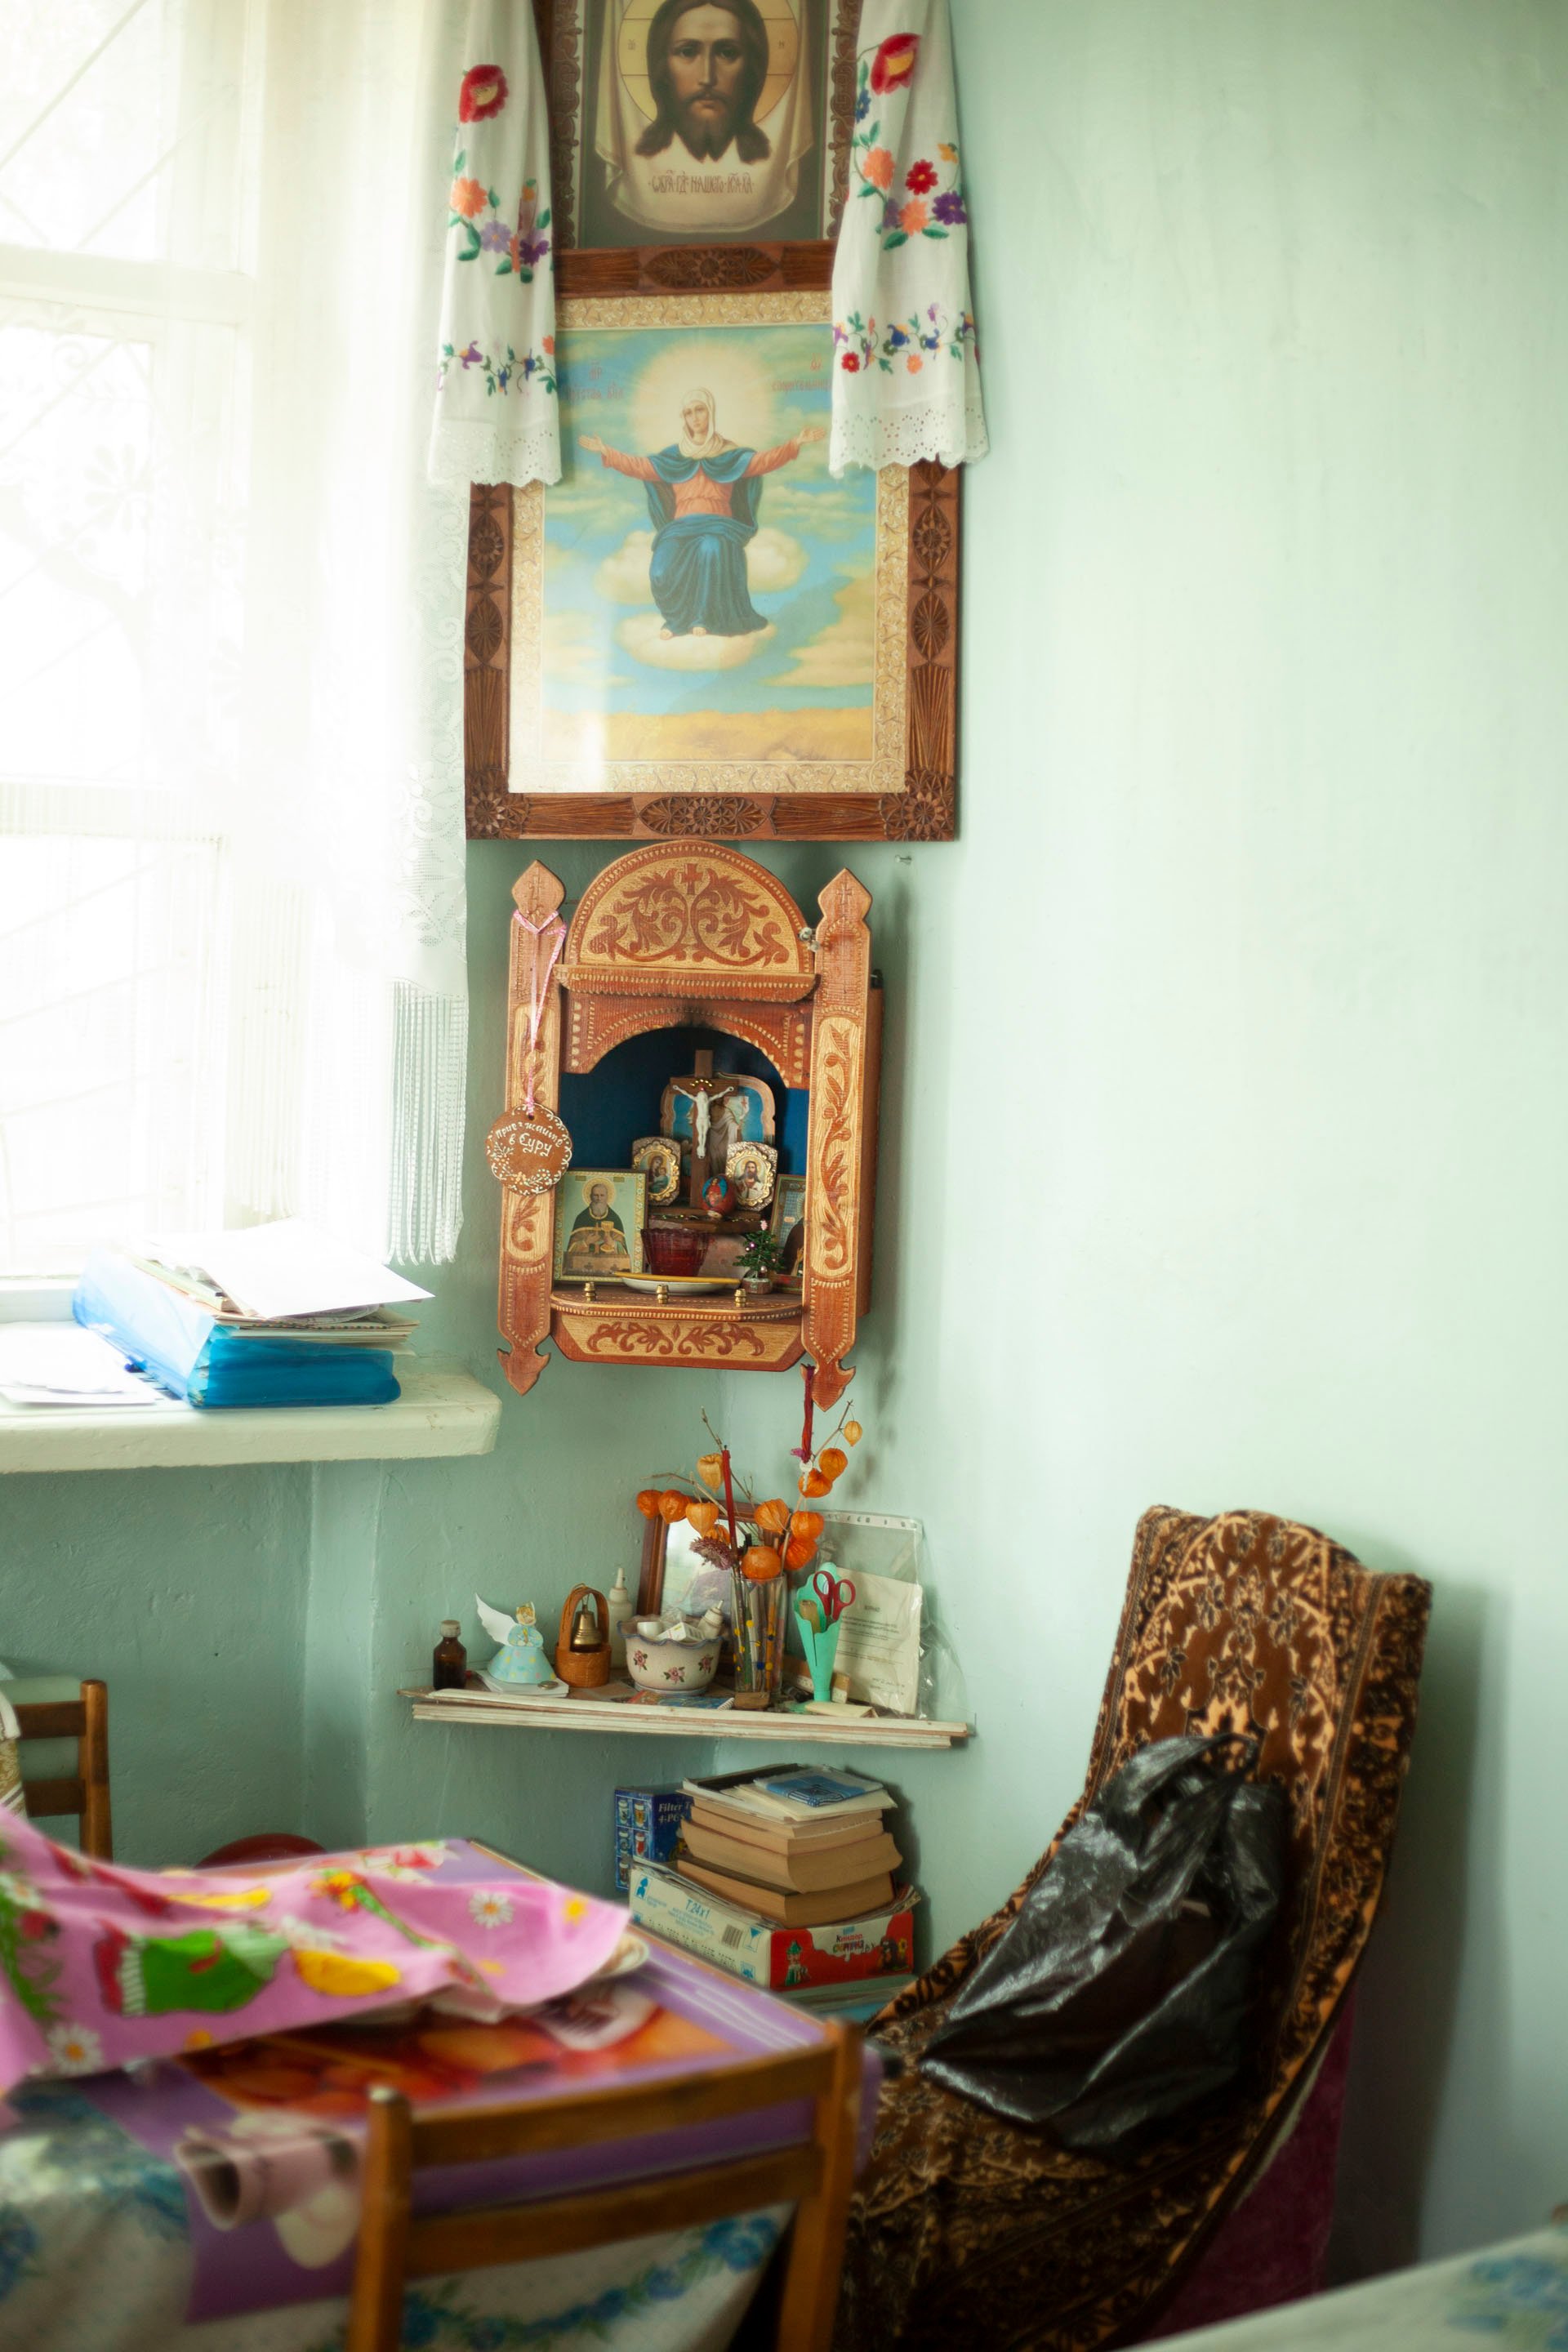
[(443, 1410)]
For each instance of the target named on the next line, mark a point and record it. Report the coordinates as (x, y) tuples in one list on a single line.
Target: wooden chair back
[(815, 2174), (84, 1794)]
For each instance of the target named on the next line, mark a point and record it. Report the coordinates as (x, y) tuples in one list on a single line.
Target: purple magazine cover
[(265, 2134)]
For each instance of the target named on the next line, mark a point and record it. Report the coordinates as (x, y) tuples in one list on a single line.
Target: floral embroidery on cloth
[(496, 410), (100, 1966), (906, 380), (446, 2317)]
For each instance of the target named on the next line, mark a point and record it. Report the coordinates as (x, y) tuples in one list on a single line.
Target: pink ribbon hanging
[(538, 985)]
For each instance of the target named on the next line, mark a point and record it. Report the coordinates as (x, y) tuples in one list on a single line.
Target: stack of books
[(787, 1878), (803, 1848)]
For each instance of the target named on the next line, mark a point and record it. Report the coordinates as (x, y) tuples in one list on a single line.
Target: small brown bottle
[(451, 1663)]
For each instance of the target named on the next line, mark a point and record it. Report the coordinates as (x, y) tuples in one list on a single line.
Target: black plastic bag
[(1123, 1992)]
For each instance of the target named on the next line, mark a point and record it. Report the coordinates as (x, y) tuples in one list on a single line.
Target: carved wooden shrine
[(690, 934)]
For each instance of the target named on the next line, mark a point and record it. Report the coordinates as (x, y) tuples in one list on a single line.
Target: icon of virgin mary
[(703, 493)]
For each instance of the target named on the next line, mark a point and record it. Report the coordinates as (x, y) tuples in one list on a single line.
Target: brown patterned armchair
[(965, 2229)]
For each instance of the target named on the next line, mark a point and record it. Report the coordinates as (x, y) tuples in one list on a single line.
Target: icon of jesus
[(706, 69), (703, 494)]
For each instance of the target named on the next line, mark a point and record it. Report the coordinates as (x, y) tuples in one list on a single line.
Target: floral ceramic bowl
[(668, 1665)]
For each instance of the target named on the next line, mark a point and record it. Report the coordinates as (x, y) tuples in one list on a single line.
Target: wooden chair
[(965, 2228), (816, 2173), (86, 1793)]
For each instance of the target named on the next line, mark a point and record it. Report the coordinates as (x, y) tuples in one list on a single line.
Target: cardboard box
[(647, 1826), (882, 1944)]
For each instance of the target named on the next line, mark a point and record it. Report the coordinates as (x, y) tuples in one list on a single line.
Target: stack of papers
[(61, 1364), (270, 1315), (284, 1278)]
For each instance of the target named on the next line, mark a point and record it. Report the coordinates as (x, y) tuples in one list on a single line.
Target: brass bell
[(585, 1633)]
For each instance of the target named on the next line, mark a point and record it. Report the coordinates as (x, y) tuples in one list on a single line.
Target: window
[(123, 393), (230, 857)]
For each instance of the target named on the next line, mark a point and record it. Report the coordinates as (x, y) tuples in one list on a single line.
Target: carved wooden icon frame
[(690, 934), (905, 790), (925, 809)]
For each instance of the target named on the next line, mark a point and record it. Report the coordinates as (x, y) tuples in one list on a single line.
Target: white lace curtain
[(231, 879)]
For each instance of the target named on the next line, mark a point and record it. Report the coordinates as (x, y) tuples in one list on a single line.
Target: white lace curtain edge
[(462, 452), (944, 434)]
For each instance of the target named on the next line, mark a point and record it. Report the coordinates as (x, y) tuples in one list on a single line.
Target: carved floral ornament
[(701, 916)]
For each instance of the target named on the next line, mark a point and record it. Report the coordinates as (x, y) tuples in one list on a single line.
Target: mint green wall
[(550, 1508), (1225, 1107), (1224, 1118), (186, 1590)]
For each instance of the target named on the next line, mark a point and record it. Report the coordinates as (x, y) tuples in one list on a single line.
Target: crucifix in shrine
[(719, 1106)]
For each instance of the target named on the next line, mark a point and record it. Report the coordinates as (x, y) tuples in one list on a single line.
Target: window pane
[(110, 113), (109, 1016), (119, 549)]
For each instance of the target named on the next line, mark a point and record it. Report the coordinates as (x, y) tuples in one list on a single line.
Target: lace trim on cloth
[(938, 430), (497, 418), (478, 451), (905, 387)]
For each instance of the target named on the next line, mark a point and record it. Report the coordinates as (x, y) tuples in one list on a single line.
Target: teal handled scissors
[(834, 1593)]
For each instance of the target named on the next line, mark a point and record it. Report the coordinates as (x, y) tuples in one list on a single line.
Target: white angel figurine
[(521, 1658)]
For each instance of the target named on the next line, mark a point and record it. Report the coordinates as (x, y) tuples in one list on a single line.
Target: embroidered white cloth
[(497, 416), (906, 377)]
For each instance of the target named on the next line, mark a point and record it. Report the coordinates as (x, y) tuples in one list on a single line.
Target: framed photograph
[(680, 121), (658, 1158), (752, 1170), (698, 630), (600, 1213), (672, 1576), (787, 1225)]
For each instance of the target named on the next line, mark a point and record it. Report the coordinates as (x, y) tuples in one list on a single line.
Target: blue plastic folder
[(203, 1362)]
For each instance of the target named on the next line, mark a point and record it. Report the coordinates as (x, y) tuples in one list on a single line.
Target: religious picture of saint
[(703, 493), (705, 120), (599, 1218), (659, 1160), (752, 1170)]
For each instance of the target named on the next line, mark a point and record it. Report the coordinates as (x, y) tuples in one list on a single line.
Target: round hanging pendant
[(531, 1154)]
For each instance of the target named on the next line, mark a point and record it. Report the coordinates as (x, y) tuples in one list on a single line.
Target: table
[(1514, 2297), (211, 2205)]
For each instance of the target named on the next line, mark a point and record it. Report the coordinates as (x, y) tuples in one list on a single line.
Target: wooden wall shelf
[(691, 934), (581, 1711)]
